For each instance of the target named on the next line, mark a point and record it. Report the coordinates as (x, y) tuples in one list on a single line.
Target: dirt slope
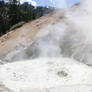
[(26, 34)]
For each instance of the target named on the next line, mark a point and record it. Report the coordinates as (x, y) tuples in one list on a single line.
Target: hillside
[(18, 39), (50, 54)]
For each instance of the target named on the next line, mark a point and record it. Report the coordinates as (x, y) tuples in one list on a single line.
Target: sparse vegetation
[(62, 73), (13, 12), (17, 25)]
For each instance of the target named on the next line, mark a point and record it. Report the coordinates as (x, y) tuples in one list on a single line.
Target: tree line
[(13, 12)]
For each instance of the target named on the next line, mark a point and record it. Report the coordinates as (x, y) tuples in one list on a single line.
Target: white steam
[(81, 21), (47, 45), (58, 52), (71, 38)]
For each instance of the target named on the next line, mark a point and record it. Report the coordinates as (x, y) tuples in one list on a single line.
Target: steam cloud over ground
[(61, 55)]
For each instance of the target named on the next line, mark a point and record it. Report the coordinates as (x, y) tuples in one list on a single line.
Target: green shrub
[(62, 73), (17, 26)]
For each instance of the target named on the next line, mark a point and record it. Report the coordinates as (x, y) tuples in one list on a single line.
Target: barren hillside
[(51, 54), (18, 39)]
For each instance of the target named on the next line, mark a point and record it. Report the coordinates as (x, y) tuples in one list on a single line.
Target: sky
[(55, 3), (64, 3)]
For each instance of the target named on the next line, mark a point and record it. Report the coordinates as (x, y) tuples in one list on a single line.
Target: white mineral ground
[(60, 57)]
